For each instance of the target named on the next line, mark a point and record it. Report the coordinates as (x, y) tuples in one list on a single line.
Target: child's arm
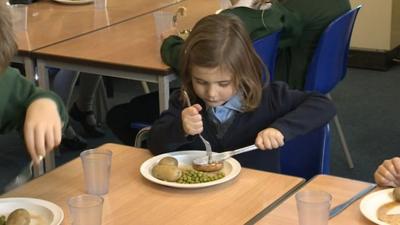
[(170, 51), (388, 173), (269, 138), (192, 122), (29, 108), (299, 112), (167, 133), (42, 127)]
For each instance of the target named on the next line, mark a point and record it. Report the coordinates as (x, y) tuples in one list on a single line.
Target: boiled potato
[(168, 161), (396, 194), (166, 172), (19, 217)]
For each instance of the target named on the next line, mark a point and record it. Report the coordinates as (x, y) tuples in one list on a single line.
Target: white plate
[(74, 2), (231, 168), (42, 212), (369, 204)]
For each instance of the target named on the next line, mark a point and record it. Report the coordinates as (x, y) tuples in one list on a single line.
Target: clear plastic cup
[(225, 4), (313, 207), (96, 168), (100, 4), (86, 209), (19, 15), (163, 22)]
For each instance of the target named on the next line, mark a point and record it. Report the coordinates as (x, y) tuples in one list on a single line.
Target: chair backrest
[(307, 155), (329, 62), (267, 49)]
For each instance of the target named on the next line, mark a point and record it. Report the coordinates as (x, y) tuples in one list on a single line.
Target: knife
[(336, 210), (221, 156)]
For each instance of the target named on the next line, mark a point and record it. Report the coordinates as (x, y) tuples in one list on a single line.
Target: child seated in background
[(23, 106), (388, 173), (232, 107), (301, 23)]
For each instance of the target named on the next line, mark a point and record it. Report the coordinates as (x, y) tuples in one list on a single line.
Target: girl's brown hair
[(8, 46), (222, 41)]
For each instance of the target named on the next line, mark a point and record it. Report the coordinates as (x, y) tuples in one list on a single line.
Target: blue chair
[(329, 63), (307, 155), (267, 49)]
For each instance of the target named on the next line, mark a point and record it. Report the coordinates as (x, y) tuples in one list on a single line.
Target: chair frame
[(317, 80), (307, 155)]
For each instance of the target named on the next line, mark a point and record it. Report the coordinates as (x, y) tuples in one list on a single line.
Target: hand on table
[(269, 139), (42, 128), (191, 120), (388, 173)]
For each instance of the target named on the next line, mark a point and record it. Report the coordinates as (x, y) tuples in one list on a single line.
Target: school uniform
[(16, 94), (301, 23), (316, 15), (291, 112)]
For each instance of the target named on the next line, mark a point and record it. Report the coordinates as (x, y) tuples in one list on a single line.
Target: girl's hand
[(388, 173), (42, 128), (269, 138), (191, 120)]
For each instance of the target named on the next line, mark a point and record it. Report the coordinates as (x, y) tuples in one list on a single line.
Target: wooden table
[(341, 190), (50, 22), (134, 200), (129, 50), (117, 42)]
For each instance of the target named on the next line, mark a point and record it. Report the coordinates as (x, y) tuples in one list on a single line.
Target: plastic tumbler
[(100, 4), (225, 4), (19, 15), (96, 169), (163, 22), (313, 207), (86, 209)]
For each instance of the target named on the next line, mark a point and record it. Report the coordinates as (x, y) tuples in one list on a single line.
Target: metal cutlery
[(206, 143), (217, 157), (336, 210), (25, 175), (208, 148)]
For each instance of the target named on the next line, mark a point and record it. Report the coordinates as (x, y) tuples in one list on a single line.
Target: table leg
[(38, 170), (44, 83), (49, 161), (29, 68), (163, 92), (43, 74)]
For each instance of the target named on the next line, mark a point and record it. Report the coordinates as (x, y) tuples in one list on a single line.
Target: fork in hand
[(205, 142)]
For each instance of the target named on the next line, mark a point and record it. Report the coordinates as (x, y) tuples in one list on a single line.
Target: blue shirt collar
[(226, 111), (234, 103)]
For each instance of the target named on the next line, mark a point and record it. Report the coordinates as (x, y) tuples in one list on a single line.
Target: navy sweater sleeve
[(167, 133), (304, 111)]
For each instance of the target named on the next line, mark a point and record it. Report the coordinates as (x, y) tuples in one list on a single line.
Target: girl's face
[(214, 86)]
